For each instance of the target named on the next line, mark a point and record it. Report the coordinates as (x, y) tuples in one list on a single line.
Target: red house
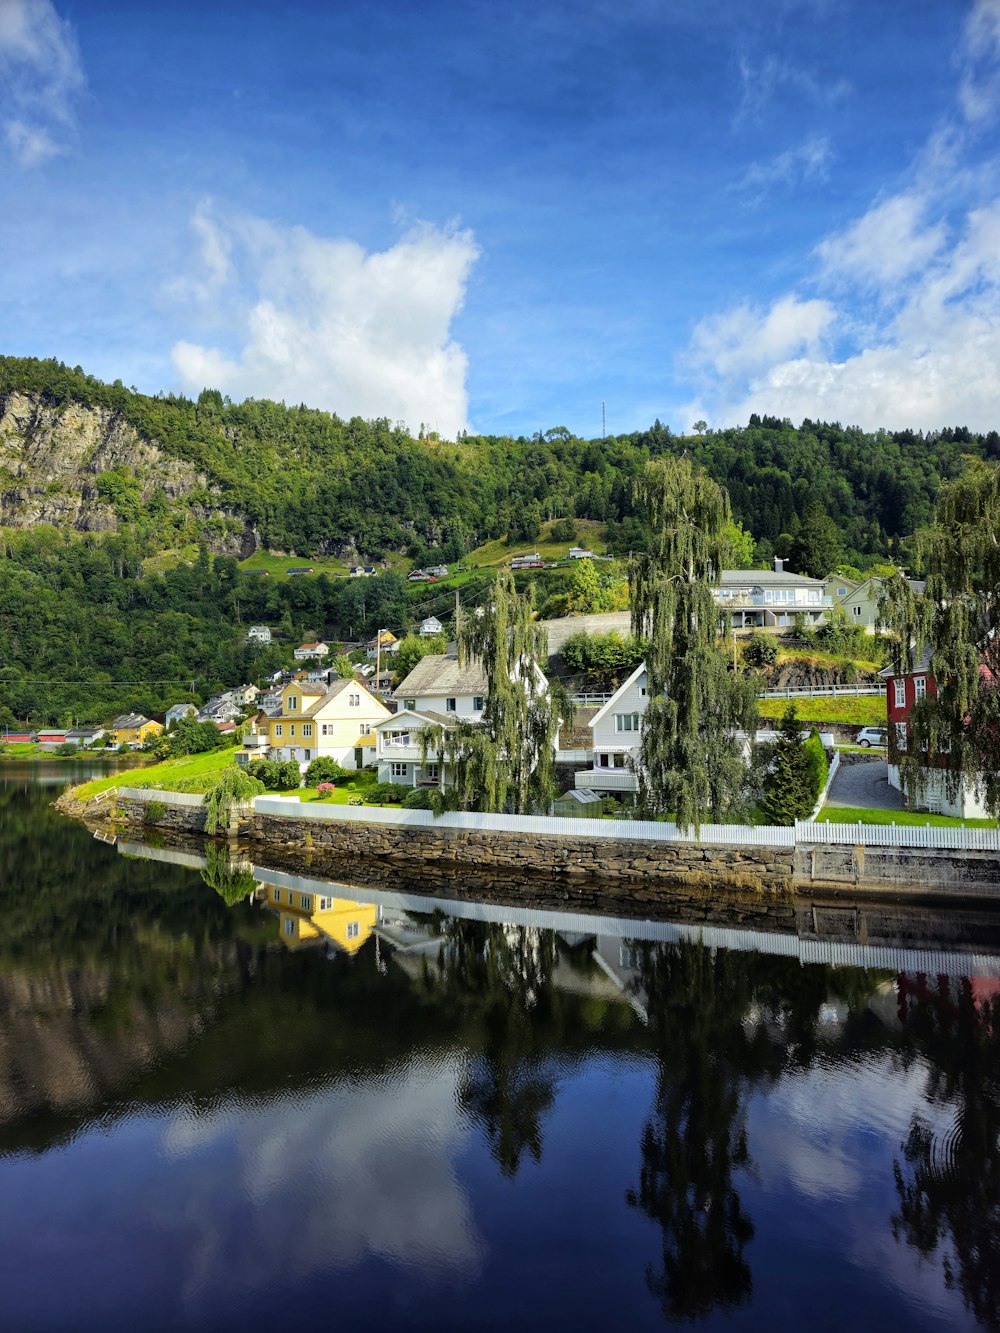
[(902, 690)]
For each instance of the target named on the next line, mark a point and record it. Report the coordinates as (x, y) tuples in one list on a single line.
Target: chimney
[(779, 565)]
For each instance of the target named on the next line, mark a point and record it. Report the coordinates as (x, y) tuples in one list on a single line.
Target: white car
[(869, 736)]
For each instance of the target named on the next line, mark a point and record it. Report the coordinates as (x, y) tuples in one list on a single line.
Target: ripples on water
[(387, 1115)]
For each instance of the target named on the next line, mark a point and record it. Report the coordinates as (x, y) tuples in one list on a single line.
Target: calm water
[(218, 1113)]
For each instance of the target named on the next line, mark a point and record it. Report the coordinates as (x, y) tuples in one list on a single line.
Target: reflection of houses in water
[(307, 919), (949, 993)]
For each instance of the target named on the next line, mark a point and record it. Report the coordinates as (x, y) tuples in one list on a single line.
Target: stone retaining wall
[(641, 871)]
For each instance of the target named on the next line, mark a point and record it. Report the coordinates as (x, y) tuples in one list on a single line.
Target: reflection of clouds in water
[(331, 1176), (831, 1132), (815, 1118)]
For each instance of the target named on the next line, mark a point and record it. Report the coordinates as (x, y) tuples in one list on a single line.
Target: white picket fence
[(900, 835), (821, 691)]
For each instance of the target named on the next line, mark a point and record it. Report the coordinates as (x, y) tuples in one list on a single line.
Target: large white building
[(438, 692)]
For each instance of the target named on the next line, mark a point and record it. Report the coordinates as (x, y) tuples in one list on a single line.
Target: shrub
[(761, 651), (324, 770), (384, 792), (818, 762), (67, 747), (288, 776), (563, 530), (421, 798), (234, 787), (355, 800), (154, 812), (276, 776), (602, 654)]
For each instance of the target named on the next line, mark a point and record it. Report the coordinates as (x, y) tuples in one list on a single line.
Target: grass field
[(851, 710), (191, 773), (589, 533), (278, 566), (909, 818), (788, 656)]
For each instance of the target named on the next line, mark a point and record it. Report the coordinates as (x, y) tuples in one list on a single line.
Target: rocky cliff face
[(51, 458)]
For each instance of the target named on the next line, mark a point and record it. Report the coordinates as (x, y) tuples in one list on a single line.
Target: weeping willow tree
[(232, 880), (691, 763), (950, 626), (506, 761), (233, 788)]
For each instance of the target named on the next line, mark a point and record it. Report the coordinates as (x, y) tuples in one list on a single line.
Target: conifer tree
[(691, 762), (793, 783), (505, 762)]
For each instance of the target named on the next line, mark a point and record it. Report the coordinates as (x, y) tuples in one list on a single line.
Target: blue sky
[(495, 216)]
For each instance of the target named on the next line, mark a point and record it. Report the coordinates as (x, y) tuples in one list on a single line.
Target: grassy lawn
[(278, 566), (191, 773), (852, 710), (909, 818), (589, 533)]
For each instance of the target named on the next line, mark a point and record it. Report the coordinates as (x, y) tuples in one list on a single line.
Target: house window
[(450, 705), (324, 904), (398, 770), (307, 728), (602, 761), (919, 687), (856, 610), (353, 929), (305, 902), (326, 729), (841, 592), (901, 736), (277, 728), (292, 703), (620, 761), (900, 693), (366, 728), (291, 730), (290, 926), (277, 895), (626, 722), (477, 703), (431, 771), (642, 690), (354, 700)]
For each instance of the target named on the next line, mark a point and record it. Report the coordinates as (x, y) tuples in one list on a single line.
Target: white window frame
[(292, 703), (277, 895), (290, 925), (354, 701), (306, 902), (353, 930), (307, 729), (627, 722), (409, 705), (398, 768), (451, 705), (277, 728), (900, 684), (478, 703), (366, 728), (291, 730), (919, 688)]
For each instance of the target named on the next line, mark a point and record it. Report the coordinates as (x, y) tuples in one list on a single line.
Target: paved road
[(865, 785)]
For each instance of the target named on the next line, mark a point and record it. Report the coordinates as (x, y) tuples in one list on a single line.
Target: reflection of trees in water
[(709, 1055), (508, 1087), (231, 880), (949, 1188)]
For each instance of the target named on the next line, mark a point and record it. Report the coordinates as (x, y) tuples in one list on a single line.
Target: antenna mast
[(604, 420)]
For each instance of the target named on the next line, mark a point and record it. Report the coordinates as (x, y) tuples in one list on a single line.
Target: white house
[(245, 695), (437, 692), (616, 731), (759, 598), (315, 722), (580, 553), (259, 634), (176, 711), (430, 627), (860, 602), (307, 650)]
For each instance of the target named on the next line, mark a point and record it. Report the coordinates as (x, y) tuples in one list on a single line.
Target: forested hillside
[(96, 481)]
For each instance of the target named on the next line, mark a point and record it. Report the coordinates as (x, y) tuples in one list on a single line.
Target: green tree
[(563, 530), (761, 651), (506, 761), (343, 666), (792, 785), (233, 788), (817, 548), (954, 619), (412, 649), (691, 761)]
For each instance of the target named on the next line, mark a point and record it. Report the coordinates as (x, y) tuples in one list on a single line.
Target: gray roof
[(439, 674), (766, 578)]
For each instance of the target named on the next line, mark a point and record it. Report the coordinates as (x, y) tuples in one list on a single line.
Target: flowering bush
[(355, 800), (325, 788)]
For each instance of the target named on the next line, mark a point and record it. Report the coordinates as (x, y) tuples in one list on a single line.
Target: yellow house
[(306, 918), (133, 729), (318, 722)]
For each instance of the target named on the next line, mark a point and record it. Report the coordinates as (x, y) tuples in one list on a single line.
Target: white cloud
[(761, 83), (885, 245), (806, 161), (325, 322), (41, 79), (902, 327), (979, 86)]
